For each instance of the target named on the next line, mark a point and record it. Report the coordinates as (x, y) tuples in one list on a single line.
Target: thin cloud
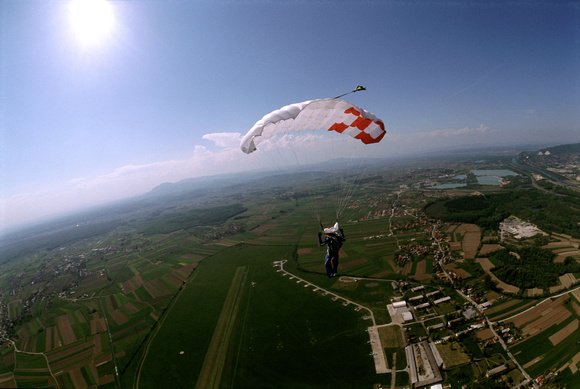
[(292, 141), (475, 83), (441, 133), (224, 139), (123, 182), (528, 113), (455, 132)]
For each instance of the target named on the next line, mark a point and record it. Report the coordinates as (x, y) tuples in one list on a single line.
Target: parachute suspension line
[(358, 88), (304, 173), (341, 147), (305, 163), (349, 179), (345, 189), (334, 177), (332, 117), (270, 159), (349, 185), (354, 184)]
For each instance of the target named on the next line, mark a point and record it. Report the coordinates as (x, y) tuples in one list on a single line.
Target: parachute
[(323, 114), (309, 133)]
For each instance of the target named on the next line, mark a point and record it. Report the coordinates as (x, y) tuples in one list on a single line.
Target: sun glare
[(91, 21)]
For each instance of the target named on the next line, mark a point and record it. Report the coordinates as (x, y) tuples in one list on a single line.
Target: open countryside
[(226, 287)]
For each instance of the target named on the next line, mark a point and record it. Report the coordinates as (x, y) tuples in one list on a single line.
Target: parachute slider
[(332, 229)]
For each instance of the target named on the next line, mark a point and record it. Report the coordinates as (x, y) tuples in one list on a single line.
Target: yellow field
[(564, 332)]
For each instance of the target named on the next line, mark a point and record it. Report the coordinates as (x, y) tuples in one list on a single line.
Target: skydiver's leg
[(335, 265), (328, 266)]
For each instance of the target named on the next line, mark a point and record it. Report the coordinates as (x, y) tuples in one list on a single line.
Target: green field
[(283, 335), (540, 345)]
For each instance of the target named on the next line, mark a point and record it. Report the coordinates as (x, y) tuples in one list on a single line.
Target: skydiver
[(333, 243)]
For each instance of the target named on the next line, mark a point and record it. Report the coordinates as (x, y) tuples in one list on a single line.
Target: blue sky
[(167, 91)]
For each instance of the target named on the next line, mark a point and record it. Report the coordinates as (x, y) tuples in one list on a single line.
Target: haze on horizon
[(109, 102)]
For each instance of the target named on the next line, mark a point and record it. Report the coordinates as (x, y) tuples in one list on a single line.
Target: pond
[(492, 177), (484, 177), (495, 172)]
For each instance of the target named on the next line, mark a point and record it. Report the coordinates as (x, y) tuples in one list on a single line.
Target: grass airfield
[(281, 334), (240, 322)]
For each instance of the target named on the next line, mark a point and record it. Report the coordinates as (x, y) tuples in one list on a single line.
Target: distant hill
[(259, 179), (200, 184), (563, 149), (569, 150), (558, 163), (164, 199)]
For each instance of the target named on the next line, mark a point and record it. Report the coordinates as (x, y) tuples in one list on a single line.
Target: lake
[(484, 177), (492, 177)]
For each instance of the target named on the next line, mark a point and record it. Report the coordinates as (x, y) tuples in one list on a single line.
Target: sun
[(91, 21)]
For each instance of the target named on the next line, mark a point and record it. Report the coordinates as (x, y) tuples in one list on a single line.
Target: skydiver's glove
[(341, 231), (319, 235)]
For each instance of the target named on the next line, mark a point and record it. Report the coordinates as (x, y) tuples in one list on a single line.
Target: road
[(33, 353), (440, 261), (398, 193), (524, 165), (527, 377), (117, 380)]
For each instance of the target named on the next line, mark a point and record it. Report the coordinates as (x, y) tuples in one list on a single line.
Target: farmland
[(198, 285)]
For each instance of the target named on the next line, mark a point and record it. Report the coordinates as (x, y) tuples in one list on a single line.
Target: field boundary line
[(213, 364), (571, 291), (32, 353), (154, 334)]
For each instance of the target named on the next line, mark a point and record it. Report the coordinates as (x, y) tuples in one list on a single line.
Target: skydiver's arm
[(320, 241), (342, 234)]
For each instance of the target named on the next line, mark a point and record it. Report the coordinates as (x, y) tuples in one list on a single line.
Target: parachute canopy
[(324, 114), (330, 230)]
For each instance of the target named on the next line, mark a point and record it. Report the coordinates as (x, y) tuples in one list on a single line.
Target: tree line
[(550, 213), (531, 267), (164, 223)]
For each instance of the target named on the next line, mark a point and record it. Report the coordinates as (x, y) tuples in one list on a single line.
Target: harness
[(333, 245)]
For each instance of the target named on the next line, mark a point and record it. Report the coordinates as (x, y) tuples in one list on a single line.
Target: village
[(433, 323), (59, 275)]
